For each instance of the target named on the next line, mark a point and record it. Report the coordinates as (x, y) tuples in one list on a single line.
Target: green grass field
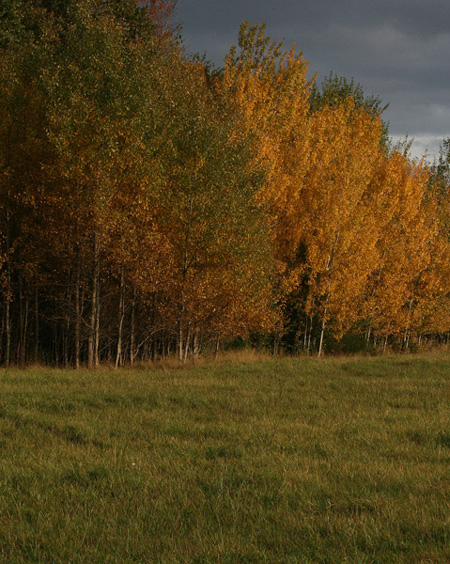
[(281, 461)]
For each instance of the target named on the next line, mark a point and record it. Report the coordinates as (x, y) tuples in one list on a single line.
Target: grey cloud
[(397, 49)]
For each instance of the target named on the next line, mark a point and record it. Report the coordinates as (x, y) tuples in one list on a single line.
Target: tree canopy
[(149, 206)]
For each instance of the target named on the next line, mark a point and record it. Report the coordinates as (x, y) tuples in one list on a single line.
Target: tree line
[(151, 205)]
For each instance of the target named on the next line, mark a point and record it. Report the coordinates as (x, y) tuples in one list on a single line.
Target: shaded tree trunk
[(217, 346), (36, 324), (77, 315), (7, 330), (93, 340), (133, 329), (196, 344), (121, 317)]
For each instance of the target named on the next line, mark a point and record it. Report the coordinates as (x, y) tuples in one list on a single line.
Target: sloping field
[(283, 461)]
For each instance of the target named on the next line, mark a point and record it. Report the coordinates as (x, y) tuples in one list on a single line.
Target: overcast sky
[(398, 50)]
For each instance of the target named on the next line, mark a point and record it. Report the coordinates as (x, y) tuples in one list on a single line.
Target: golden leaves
[(333, 190)]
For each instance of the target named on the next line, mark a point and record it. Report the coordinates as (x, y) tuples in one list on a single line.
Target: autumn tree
[(269, 87), (320, 149), (77, 88), (407, 234), (337, 207), (209, 212), (334, 90), (137, 181), (149, 206)]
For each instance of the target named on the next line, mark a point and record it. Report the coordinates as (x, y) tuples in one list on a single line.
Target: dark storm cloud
[(397, 49)]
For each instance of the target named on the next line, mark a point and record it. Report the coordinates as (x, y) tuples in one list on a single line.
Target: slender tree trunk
[(330, 265), (369, 332), (187, 344), (305, 335), (121, 317), (196, 344), (182, 305), (217, 347), (322, 333), (180, 334), (8, 279), (407, 328), (180, 341), (132, 329), (77, 318), (157, 347), (36, 324), (23, 355), (19, 347), (310, 334), (94, 319), (8, 330), (23, 327), (2, 334), (68, 309), (66, 341), (77, 315), (97, 327), (92, 331)]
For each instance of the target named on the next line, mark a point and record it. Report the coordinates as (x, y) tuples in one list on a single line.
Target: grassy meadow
[(279, 461)]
